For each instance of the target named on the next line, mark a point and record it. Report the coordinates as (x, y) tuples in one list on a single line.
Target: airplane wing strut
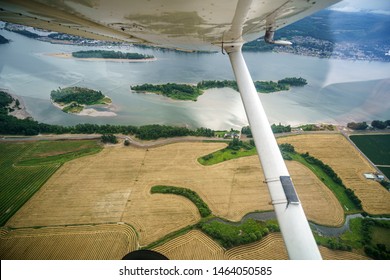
[(292, 220)]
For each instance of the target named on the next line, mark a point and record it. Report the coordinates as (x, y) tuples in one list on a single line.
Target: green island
[(110, 55), (192, 92), (73, 99)]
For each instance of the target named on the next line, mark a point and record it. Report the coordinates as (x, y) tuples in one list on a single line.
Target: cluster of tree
[(109, 138), (315, 127), (357, 126), (3, 40), (247, 131), (5, 102), (261, 86), (375, 251), (380, 124), (77, 94), (275, 129), (330, 172), (171, 90), (334, 245), (295, 82), (217, 84), (203, 208), (231, 235), (236, 145), (286, 149), (280, 128), (109, 54)]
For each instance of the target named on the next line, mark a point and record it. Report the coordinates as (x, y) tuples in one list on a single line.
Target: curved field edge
[(346, 196), (203, 208), (227, 234), (26, 166), (86, 242), (195, 245)]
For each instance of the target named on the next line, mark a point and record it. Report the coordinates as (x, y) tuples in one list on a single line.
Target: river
[(338, 91)]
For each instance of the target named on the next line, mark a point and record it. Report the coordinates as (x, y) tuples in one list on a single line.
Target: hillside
[(362, 36)]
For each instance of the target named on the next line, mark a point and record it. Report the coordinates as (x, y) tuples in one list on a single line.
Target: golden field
[(348, 163), (94, 193), (114, 186), (195, 245), (108, 242)]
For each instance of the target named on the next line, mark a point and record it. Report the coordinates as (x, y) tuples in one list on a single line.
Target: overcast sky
[(371, 6)]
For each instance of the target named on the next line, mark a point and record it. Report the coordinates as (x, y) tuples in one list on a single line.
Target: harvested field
[(271, 247), (114, 186), (328, 254), (348, 163), (110, 241), (318, 201), (197, 245), (193, 245)]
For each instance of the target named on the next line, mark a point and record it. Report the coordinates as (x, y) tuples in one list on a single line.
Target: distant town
[(327, 34)]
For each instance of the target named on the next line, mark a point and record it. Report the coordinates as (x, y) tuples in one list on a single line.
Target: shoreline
[(21, 113), (69, 56), (91, 112)]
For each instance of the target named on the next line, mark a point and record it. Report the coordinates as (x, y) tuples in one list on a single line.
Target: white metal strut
[(293, 224)]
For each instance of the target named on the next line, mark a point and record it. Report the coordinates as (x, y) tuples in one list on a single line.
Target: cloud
[(354, 6)]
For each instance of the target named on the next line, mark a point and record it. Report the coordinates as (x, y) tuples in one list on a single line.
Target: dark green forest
[(77, 94), (109, 54)]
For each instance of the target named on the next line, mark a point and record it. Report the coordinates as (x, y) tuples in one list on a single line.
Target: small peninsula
[(74, 99), (192, 92)]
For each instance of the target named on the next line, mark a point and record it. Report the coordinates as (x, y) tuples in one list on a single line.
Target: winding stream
[(320, 229)]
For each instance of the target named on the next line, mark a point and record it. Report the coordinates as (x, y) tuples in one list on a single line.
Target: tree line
[(109, 54), (333, 175), (378, 124), (14, 126), (276, 128), (203, 208)]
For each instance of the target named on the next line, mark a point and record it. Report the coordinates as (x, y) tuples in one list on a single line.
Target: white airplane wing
[(183, 24), (195, 25)]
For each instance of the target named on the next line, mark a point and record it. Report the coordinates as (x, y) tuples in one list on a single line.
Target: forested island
[(73, 99), (110, 55), (192, 92)]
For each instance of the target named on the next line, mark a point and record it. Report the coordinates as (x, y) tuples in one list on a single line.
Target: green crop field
[(26, 166), (376, 148)]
